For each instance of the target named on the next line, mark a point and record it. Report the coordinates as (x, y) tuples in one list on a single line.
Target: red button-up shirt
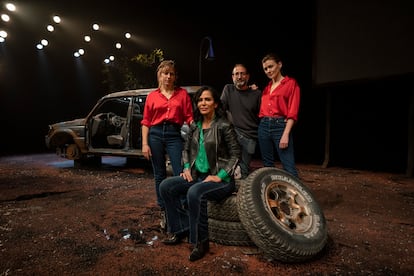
[(283, 102), (178, 109)]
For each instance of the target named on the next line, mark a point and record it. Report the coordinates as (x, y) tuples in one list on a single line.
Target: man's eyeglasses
[(239, 74)]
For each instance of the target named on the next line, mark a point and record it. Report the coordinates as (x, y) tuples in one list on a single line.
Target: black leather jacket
[(222, 148)]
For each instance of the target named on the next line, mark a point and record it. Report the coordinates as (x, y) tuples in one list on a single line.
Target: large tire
[(228, 233), (281, 216), (226, 209)]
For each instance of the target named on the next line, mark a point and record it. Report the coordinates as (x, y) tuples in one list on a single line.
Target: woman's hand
[(146, 151), (186, 174), (212, 178)]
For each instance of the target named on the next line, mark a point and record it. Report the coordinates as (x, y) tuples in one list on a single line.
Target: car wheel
[(72, 152), (281, 216)]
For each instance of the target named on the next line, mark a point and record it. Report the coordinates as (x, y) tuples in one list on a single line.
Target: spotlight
[(3, 34), (5, 17), (11, 7), (56, 19)]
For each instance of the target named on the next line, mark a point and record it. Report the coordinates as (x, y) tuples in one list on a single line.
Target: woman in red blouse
[(278, 113), (165, 111)]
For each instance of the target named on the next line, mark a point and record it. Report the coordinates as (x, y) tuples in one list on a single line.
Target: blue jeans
[(194, 218), (248, 147), (165, 139), (269, 132)]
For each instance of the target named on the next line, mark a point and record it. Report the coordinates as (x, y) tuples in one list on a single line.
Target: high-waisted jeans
[(192, 217), (269, 134), (165, 139)]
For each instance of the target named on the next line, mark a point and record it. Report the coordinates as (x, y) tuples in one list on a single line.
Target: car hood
[(76, 122)]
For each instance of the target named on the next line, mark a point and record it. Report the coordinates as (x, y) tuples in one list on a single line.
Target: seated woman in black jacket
[(211, 153)]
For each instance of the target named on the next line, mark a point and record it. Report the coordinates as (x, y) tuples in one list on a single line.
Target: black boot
[(199, 251)]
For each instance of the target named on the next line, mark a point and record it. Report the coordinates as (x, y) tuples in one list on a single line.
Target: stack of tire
[(274, 211), (224, 225)]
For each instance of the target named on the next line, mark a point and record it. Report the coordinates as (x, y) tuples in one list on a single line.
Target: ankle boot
[(199, 251)]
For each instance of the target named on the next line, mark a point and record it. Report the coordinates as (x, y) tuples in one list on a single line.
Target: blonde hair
[(166, 64)]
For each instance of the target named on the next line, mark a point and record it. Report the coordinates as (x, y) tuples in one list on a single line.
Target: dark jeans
[(194, 218), (269, 132), (248, 147), (165, 139)]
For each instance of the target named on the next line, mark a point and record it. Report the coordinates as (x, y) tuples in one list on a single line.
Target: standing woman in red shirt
[(278, 113), (165, 111)]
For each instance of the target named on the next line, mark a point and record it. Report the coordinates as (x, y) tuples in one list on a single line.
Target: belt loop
[(174, 125), (277, 119)]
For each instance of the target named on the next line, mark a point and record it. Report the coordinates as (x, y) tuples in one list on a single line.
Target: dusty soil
[(60, 220)]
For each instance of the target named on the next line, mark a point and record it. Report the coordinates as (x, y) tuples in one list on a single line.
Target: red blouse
[(178, 109), (283, 102)]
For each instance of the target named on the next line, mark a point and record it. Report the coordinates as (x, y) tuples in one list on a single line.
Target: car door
[(107, 125), (136, 118)]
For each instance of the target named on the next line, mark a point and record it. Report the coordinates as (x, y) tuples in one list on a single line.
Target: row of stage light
[(6, 18)]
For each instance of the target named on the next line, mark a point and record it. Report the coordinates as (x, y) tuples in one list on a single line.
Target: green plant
[(135, 72)]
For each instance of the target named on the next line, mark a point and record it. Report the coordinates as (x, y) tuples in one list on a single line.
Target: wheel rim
[(288, 207), (72, 152)]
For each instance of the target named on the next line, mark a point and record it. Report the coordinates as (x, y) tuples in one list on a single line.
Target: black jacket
[(223, 150)]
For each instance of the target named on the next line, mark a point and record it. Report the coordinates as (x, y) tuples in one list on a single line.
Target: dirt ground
[(59, 220)]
